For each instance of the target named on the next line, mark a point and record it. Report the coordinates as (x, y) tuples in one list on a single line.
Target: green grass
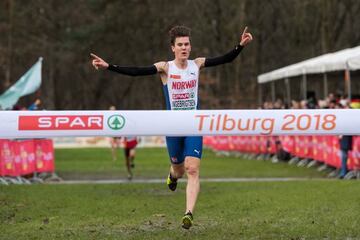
[(315, 209), (306, 209), (154, 163)]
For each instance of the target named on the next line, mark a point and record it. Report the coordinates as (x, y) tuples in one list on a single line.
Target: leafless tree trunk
[(10, 43)]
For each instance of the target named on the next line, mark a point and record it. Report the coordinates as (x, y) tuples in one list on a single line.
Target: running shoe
[(187, 220), (130, 176), (171, 182)]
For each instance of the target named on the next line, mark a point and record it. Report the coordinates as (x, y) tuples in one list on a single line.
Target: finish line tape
[(44, 124)]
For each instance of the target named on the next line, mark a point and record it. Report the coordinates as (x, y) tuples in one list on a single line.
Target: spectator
[(268, 105), (345, 147), (278, 104), (295, 104), (311, 103), (332, 104), (322, 104), (35, 105), (330, 97)]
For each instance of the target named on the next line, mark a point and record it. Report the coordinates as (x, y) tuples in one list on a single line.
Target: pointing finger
[(94, 56), (245, 30)]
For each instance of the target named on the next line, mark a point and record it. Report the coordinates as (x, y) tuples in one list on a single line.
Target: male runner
[(180, 79), (130, 144)]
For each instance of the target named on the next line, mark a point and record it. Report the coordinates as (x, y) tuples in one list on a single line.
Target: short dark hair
[(179, 31)]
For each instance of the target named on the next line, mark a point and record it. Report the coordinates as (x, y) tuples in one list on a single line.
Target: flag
[(27, 84)]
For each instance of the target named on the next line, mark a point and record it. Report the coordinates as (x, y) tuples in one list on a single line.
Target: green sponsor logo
[(116, 122)]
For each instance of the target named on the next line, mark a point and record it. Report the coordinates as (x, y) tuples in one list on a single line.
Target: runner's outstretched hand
[(98, 62), (245, 37)]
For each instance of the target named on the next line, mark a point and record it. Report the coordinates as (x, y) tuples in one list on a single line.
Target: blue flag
[(27, 84)]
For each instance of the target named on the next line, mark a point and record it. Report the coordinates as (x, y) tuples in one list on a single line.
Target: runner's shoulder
[(162, 66), (200, 61)]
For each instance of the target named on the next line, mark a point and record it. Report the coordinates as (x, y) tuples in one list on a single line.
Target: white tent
[(347, 59)]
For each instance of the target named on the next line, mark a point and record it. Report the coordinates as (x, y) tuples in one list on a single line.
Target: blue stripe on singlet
[(166, 94)]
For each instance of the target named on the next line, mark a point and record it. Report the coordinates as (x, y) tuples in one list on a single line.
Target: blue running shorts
[(181, 147)]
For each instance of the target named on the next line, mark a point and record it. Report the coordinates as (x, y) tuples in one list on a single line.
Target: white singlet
[(181, 89)]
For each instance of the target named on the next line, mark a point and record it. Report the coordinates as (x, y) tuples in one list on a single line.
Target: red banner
[(207, 141), (255, 144), (310, 147), (24, 153), (7, 161), (354, 155), (320, 148), (301, 143), (271, 144), (288, 144), (16, 156), (25, 157), (240, 144), (262, 145), (335, 152), (44, 155)]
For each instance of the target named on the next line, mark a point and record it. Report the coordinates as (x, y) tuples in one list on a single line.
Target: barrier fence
[(324, 149), (24, 157)]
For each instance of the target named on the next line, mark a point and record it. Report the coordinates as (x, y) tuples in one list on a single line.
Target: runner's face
[(181, 48)]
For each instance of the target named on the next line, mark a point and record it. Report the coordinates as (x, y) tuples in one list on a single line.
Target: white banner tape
[(43, 124)]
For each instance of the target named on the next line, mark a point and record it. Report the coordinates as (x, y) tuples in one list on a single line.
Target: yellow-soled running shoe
[(187, 220), (171, 182)]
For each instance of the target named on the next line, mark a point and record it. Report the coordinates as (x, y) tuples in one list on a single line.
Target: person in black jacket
[(345, 146)]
